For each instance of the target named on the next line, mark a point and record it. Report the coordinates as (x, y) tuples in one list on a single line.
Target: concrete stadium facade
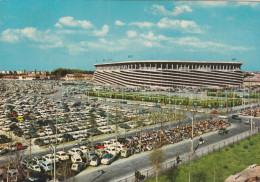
[(169, 74)]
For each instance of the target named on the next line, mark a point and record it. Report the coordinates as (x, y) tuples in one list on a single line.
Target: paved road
[(126, 167)]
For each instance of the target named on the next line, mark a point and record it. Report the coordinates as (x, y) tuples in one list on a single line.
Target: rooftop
[(168, 61)]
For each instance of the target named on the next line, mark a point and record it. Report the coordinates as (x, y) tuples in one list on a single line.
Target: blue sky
[(45, 35)]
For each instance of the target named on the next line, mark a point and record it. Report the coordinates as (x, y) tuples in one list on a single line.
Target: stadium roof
[(168, 61)]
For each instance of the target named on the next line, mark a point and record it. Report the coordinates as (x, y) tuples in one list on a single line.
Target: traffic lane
[(120, 169)]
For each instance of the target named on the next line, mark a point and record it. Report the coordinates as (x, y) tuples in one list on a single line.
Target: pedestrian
[(138, 175)]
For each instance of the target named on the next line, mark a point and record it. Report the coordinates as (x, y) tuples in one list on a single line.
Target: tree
[(157, 158)]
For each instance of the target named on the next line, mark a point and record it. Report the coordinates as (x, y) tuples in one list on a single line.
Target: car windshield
[(107, 156)]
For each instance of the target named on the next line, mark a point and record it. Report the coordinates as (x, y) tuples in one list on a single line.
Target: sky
[(51, 34)]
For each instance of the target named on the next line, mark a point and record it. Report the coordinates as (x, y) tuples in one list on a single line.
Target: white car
[(83, 149), (50, 158), (37, 159), (74, 151), (95, 161), (46, 165), (76, 158), (35, 167), (112, 150), (62, 156), (6, 128), (120, 147), (105, 129), (108, 159)]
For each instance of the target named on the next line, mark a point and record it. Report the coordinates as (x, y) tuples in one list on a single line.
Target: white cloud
[(71, 22), (182, 25), (131, 33), (75, 49), (10, 35), (102, 32), (194, 42), (150, 43), (252, 4), (151, 36), (44, 39), (105, 45), (119, 23), (142, 24), (160, 9), (211, 4)]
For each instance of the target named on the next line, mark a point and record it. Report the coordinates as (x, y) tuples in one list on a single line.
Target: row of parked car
[(248, 112)]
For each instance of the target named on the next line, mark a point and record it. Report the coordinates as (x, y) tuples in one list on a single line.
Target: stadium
[(169, 74)]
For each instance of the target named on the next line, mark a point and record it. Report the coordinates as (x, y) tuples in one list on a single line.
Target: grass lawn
[(229, 160)]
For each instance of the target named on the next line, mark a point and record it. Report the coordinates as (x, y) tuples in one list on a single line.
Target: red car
[(14, 114), (19, 145), (99, 145), (214, 112)]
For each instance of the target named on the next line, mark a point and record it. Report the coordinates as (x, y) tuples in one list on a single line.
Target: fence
[(148, 173)]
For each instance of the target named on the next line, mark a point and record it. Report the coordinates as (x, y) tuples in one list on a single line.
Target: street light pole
[(191, 148), (54, 170), (251, 123)]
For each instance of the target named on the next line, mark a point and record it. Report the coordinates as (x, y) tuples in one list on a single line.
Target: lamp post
[(54, 169), (251, 123), (191, 148)]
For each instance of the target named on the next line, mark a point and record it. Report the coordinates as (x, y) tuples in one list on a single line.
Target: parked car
[(27, 162), (46, 166), (214, 112), (34, 167), (108, 159), (50, 158), (74, 151), (78, 167), (95, 161), (100, 153), (76, 158), (62, 156), (37, 159), (126, 152)]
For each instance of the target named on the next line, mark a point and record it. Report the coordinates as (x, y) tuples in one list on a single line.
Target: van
[(223, 117), (126, 152)]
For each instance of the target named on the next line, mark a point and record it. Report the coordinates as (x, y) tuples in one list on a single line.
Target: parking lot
[(36, 117)]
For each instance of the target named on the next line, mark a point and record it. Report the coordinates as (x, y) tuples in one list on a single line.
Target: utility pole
[(54, 170), (251, 123), (191, 149)]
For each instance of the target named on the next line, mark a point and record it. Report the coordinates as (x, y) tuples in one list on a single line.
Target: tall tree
[(157, 158)]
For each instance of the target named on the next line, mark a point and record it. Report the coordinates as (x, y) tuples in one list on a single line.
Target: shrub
[(245, 147)]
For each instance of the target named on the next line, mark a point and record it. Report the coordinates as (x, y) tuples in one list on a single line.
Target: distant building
[(10, 77), (27, 77), (77, 76), (253, 80), (168, 74)]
